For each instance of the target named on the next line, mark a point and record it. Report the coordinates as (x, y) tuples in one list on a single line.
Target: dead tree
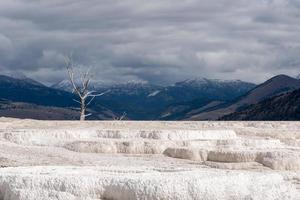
[(80, 87)]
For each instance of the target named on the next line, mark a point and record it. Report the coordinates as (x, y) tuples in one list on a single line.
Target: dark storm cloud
[(156, 41)]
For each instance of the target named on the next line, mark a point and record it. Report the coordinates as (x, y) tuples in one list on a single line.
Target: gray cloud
[(155, 41)]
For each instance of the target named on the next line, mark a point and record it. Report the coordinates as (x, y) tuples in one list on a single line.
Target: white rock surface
[(280, 160), (121, 146), (187, 153), (149, 160), (69, 183), (165, 134), (232, 156)]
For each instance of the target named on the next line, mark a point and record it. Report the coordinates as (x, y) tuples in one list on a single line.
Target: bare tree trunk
[(83, 90), (82, 110)]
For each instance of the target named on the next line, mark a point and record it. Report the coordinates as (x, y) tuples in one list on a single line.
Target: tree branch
[(88, 115), (77, 101), (95, 95), (69, 66)]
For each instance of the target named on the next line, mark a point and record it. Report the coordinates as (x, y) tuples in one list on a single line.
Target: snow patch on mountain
[(154, 93), (199, 82), (67, 86)]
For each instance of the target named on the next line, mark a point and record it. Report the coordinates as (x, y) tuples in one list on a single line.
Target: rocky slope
[(272, 87), (282, 107)]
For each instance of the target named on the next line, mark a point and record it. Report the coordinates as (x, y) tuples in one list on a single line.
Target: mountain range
[(27, 98), (192, 99), (146, 101), (272, 87)]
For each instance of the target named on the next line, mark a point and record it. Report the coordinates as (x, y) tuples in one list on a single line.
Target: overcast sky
[(159, 41)]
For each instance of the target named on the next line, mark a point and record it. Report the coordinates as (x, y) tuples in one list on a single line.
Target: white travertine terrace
[(66, 183), (122, 160)]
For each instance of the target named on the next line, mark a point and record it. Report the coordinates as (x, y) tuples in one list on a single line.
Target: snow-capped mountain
[(139, 99), (63, 85), (211, 88), (66, 85), (142, 100), (200, 82), (129, 88), (200, 93), (198, 98)]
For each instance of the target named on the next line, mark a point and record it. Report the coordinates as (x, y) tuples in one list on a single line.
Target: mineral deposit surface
[(127, 160)]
